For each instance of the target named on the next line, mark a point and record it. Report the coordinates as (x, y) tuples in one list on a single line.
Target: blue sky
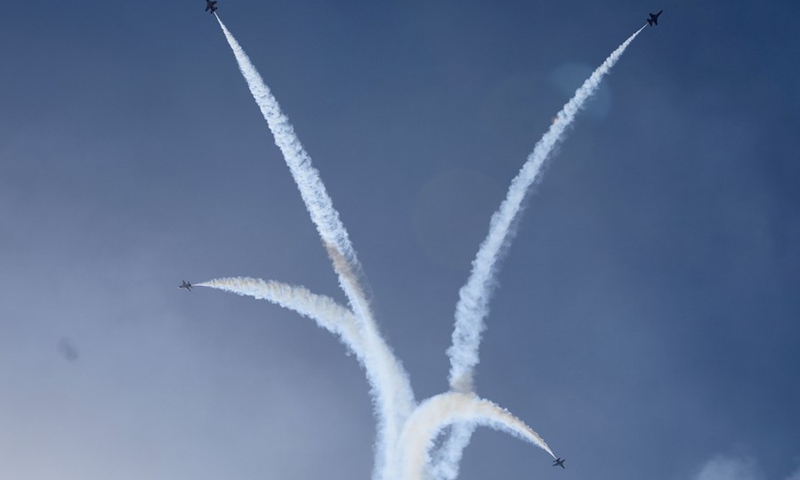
[(646, 322)]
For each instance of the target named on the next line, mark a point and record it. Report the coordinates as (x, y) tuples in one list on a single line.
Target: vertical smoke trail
[(431, 416), (474, 296), (382, 365), (447, 458), (392, 392)]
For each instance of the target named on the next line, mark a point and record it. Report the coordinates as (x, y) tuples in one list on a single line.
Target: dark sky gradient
[(646, 323)]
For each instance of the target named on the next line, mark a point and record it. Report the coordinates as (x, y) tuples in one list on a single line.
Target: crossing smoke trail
[(434, 414), (474, 296), (393, 399), (406, 434)]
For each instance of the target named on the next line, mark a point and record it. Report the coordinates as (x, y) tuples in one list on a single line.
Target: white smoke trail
[(474, 296), (391, 388), (473, 303), (432, 415), (386, 378), (312, 190), (324, 310), (328, 314), (382, 366), (405, 438), (447, 458)]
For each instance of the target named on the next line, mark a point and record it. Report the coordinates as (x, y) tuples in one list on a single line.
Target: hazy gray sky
[(646, 323)]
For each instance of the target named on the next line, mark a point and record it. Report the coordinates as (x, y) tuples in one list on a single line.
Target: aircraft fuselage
[(653, 20)]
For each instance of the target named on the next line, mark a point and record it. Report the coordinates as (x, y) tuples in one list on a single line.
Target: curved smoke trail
[(393, 400), (323, 310), (436, 413), (336, 319), (474, 296), (473, 303)]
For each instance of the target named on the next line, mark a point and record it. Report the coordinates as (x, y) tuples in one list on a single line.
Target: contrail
[(391, 385), (473, 303), (406, 434), (474, 296), (323, 310), (447, 458), (387, 379), (312, 190), (432, 415), (391, 388)]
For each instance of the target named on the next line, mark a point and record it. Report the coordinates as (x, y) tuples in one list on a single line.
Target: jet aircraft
[(186, 285), (559, 462), (653, 20), (211, 5)]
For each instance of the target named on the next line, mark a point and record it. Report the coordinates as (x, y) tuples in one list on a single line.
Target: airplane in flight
[(186, 285), (211, 5), (559, 462), (653, 20)]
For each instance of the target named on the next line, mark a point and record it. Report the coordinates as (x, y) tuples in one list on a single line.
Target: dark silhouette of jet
[(186, 285), (211, 6), (653, 20), (559, 462)]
